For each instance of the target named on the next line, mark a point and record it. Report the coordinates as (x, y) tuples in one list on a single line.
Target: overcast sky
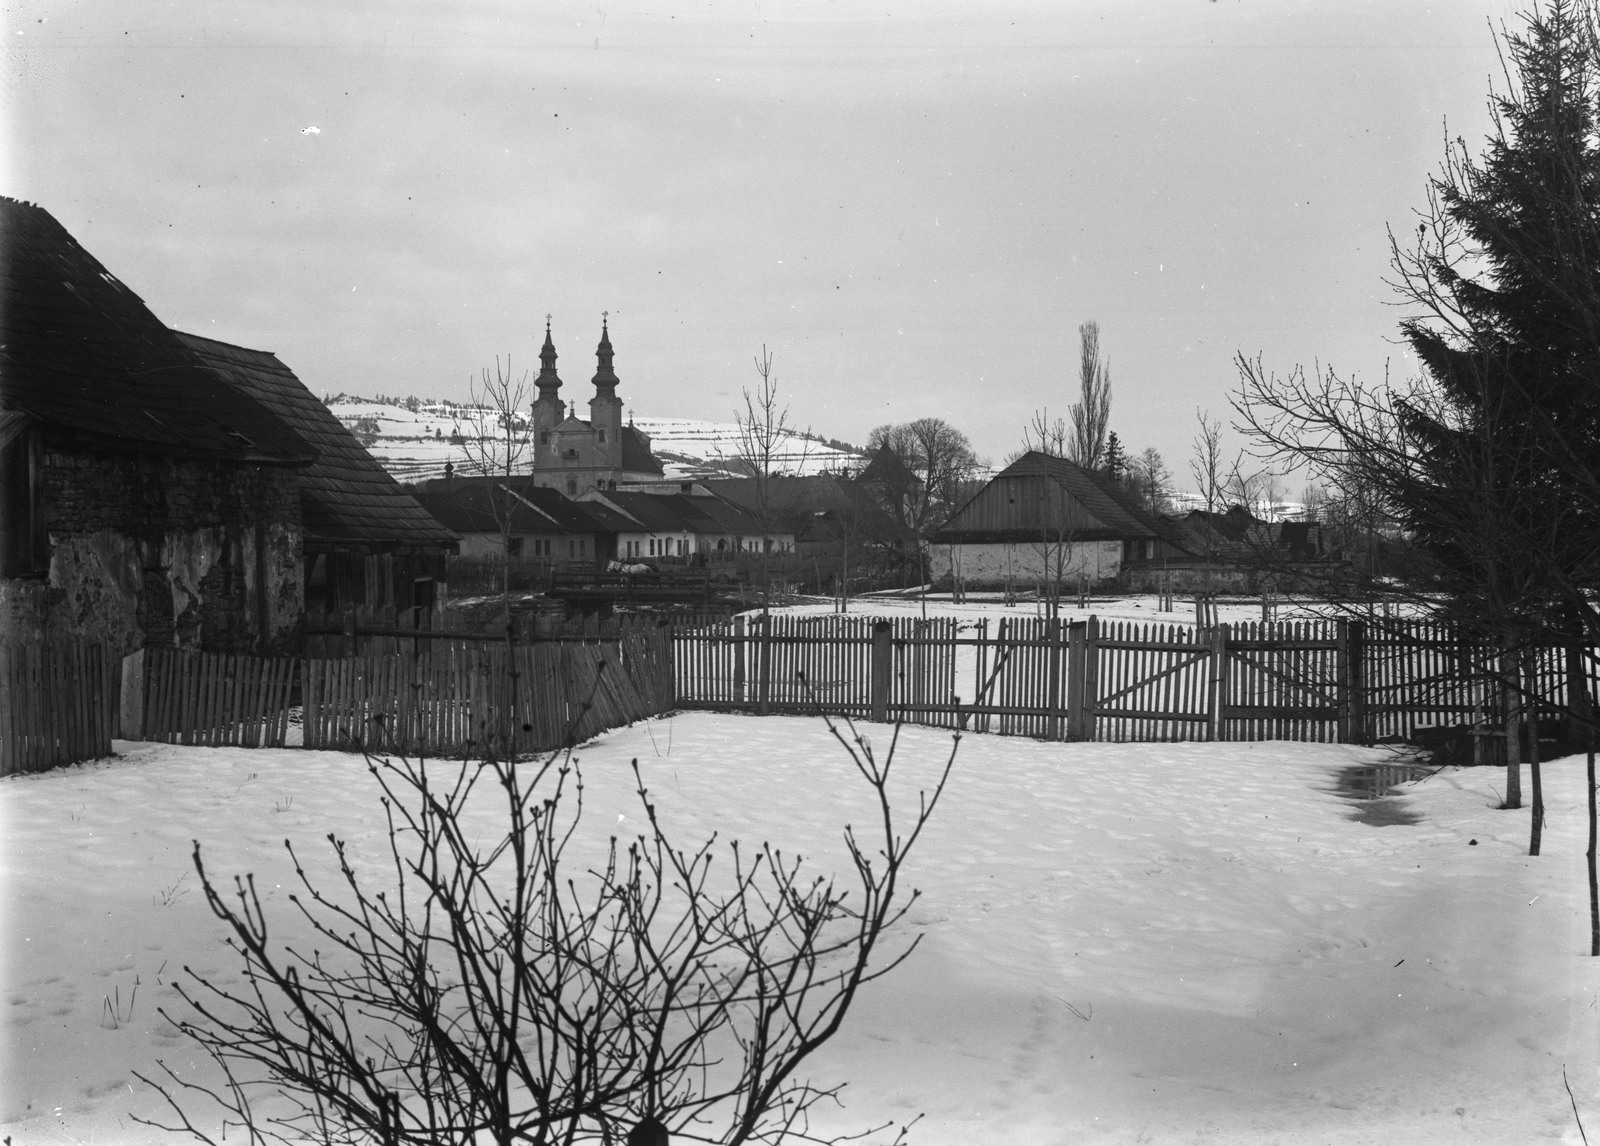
[(913, 209)]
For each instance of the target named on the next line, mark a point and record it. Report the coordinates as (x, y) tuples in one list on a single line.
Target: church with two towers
[(573, 455)]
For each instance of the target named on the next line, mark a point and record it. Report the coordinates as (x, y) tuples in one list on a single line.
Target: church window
[(572, 487), (602, 436)]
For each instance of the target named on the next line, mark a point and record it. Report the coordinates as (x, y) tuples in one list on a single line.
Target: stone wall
[(152, 550)]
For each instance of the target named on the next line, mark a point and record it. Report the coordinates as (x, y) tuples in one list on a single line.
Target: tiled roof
[(346, 497), (82, 354)]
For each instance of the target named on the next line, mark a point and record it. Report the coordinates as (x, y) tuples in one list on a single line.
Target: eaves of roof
[(345, 495)]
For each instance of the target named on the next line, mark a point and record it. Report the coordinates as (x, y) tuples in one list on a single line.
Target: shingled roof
[(346, 497), (1113, 513), (82, 354)]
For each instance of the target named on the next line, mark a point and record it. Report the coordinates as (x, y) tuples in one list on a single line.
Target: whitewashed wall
[(999, 562)]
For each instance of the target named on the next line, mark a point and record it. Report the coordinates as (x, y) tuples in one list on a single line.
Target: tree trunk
[(1594, 885)]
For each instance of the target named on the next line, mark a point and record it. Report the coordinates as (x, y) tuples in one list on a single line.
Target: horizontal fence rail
[(58, 704)]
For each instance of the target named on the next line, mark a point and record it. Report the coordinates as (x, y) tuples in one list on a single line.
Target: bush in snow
[(500, 990)]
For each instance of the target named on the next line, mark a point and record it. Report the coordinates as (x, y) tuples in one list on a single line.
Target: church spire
[(548, 382), (605, 378)]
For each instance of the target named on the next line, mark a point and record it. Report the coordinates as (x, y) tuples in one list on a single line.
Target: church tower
[(605, 408), (548, 408)]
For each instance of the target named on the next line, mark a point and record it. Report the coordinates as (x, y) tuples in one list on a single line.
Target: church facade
[(574, 455)]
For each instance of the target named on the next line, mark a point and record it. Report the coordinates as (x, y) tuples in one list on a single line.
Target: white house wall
[(999, 563)]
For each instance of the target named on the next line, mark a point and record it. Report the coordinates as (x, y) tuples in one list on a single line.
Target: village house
[(1044, 519), (145, 500), (1234, 551), (676, 528), (518, 521)]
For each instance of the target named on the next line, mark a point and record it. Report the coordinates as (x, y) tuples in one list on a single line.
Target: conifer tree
[(1503, 279)]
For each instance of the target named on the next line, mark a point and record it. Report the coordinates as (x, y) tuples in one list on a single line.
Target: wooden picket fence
[(58, 704), (213, 699), (1029, 676), (468, 698)]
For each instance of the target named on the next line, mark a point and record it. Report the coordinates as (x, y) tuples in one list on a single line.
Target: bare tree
[(1210, 473), (501, 990), (497, 444), (1150, 482), (1091, 413), (938, 462), (767, 445)]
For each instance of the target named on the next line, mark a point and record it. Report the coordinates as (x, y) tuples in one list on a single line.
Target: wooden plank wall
[(217, 699), (59, 703)]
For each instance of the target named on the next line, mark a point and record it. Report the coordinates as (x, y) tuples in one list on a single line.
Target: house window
[(572, 548), (24, 544), (513, 547)]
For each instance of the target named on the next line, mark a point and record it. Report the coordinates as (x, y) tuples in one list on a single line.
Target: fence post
[(738, 659), (1360, 713), (882, 670), (1077, 716), (131, 724), (1052, 637), (764, 666), (1218, 690)]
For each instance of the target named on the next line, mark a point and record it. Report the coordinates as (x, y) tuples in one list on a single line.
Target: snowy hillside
[(1123, 943), (414, 444)]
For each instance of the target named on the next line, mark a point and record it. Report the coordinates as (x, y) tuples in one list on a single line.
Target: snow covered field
[(1133, 943)]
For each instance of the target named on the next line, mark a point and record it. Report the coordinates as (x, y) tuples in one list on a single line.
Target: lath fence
[(1302, 680), (213, 699), (471, 697), (58, 704)]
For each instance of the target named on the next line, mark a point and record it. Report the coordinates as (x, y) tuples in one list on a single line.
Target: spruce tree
[(1504, 282), (1116, 462)]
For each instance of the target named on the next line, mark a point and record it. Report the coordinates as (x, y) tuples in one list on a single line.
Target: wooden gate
[(1143, 682)]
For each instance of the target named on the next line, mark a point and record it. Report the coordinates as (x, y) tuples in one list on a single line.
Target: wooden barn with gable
[(144, 499), (372, 552), (1044, 519)]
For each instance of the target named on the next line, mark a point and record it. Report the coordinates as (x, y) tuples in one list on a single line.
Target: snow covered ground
[(1124, 943)]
